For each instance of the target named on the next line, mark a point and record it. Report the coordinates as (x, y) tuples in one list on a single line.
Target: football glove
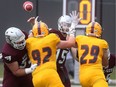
[(75, 20), (31, 69)]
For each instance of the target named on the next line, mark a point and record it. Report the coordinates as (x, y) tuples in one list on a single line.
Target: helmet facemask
[(64, 23), (64, 27), (20, 44)]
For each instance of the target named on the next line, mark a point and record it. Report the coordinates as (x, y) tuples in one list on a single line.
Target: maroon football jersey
[(61, 59), (61, 53), (9, 55), (109, 69)]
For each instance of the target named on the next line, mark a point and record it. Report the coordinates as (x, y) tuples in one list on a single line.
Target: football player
[(93, 55), (64, 23), (42, 48), (61, 59), (108, 70), (17, 67)]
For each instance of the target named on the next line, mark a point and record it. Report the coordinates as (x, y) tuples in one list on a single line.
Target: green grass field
[(113, 75), (1, 69)]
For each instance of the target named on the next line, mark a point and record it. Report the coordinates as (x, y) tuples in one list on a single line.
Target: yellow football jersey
[(90, 53), (43, 51), (90, 50)]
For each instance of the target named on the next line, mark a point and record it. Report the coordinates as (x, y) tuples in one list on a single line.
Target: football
[(28, 6)]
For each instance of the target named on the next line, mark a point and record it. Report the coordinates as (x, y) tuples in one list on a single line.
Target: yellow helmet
[(40, 29), (94, 29)]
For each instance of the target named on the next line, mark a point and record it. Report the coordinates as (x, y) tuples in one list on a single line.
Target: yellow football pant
[(47, 78)]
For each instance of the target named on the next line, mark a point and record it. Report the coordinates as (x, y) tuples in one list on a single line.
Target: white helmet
[(15, 37), (64, 22)]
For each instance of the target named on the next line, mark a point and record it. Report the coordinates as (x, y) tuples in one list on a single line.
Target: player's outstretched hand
[(36, 19), (31, 20), (75, 18)]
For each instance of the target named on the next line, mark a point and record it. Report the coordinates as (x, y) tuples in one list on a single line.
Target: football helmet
[(94, 29), (40, 29), (64, 23), (15, 37)]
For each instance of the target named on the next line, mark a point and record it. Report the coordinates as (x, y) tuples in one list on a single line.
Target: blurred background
[(102, 11), (13, 14)]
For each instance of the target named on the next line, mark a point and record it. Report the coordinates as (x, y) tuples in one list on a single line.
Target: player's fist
[(28, 6)]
